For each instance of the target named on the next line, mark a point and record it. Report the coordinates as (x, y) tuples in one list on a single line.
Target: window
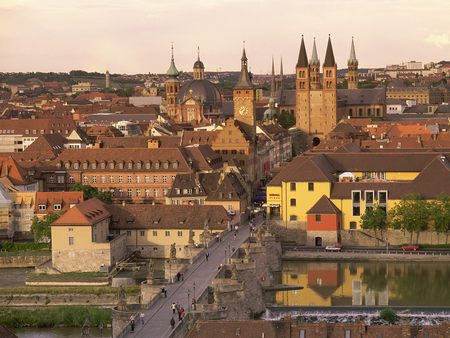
[(94, 179), (155, 179), (103, 179), (293, 202), (60, 179), (147, 193), (129, 233), (173, 178), (138, 192), (111, 179), (128, 179), (42, 207), (129, 192), (57, 206), (318, 218), (293, 217), (293, 186), (352, 225), (369, 195), (142, 233), (180, 233), (71, 179), (138, 179), (310, 186), (225, 152), (155, 192), (147, 179), (71, 241), (154, 233), (70, 229), (164, 179), (234, 152), (241, 152), (356, 203), (85, 180), (167, 233), (382, 199), (51, 179), (120, 179)]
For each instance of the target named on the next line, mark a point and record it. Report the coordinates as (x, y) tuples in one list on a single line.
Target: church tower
[(199, 68), (302, 89), (329, 106), (314, 68), (107, 79), (244, 100), (273, 85), (172, 89), (352, 75)]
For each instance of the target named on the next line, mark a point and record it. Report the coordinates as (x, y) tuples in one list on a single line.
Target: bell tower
[(302, 89), (314, 68), (244, 99), (172, 89), (329, 96), (352, 75), (199, 68)]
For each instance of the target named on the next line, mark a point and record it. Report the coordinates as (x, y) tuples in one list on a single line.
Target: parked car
[(334, 247), (410, 248)]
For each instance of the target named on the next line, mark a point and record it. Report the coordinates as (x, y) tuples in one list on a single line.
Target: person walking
[(132, 323), (174, 307), (141, 317), (207, 255), (172, 322), (179, 314), (178, 276), (182, 313)]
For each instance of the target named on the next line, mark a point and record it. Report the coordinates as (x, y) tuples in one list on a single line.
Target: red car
[(410, 248)]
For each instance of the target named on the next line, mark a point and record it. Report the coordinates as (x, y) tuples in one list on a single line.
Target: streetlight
[(189, 299), (225, 255), (194, 290)]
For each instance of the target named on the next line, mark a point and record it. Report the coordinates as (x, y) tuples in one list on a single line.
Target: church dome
[(199, 64), (202, 90)]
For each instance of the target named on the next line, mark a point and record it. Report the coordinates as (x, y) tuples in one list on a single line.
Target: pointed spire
[(314, 58), (172, 71), (198, 53), (281, 67), (273, 89), (352, 60), (244, 78), (302, 58), (329, 56)]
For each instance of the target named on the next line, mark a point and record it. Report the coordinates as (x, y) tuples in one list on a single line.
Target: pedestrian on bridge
[(207, 255), (141, 317), (172, 322), (174, 307)]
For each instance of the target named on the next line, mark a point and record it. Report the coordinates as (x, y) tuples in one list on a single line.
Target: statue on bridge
[(173, 252), (122, 297)]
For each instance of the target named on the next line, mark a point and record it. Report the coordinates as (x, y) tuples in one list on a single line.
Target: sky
[(134, 36)]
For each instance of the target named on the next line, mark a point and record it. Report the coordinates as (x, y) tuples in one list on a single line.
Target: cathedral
[(198, 101)]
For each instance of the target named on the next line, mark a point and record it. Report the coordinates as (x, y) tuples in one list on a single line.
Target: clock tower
[(244, 100)]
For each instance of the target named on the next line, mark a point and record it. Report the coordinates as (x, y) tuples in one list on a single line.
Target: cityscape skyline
[(95, 35)]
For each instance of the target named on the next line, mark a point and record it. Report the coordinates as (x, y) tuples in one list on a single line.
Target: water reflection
[(366, 284), (66, 332)]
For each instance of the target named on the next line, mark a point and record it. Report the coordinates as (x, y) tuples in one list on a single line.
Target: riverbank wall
[(364, 256), (23, 261)]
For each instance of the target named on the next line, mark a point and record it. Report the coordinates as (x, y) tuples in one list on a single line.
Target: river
[(65, 332), (367, 284)]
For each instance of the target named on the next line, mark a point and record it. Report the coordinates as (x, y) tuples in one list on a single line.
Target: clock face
[(243, 110)]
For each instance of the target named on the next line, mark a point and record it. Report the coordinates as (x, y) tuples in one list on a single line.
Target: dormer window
[(67, 165), (139, 165), (175, 165), (111, 165), (148, 165), (57, 206), (130, 165), (121, 165), (177, 190), (103, 165), (85, 165), (166, 165), (94, 165), (42, 207), (76, 165), (157, 165)]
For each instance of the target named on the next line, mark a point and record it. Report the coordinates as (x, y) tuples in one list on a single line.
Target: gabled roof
[(302, 58), (87, 213), (64, 198), (48, 143), (324, 206)]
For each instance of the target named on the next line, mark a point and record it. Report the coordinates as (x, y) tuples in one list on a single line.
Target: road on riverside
[(201, 272)]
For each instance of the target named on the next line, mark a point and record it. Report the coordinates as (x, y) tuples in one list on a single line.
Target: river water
[(366, 284), (66, 332)]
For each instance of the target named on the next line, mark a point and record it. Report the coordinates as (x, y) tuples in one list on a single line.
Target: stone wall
[(163, 251), (289, 231), (327, 237), (30, 300), (80, 260), (22, 261)]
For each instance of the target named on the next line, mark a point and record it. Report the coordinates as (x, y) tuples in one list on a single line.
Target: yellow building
[(81, 239), (311, 188), (152, 230)]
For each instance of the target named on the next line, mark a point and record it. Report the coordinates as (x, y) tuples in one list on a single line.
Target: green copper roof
[(352, 60), (302, 58), (314, 59), (329, 56), (172, 71)]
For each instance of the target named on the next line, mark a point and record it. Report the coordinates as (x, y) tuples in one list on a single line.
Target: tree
[(374, 219), (411, 214), (92, 192), (440, 214), (286, 119), (41, 227), (388, 315)]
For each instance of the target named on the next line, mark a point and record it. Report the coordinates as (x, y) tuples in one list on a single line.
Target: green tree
[(41, 227), (411, 214), (388, 315), (374, 219), (92, 192), (286, 119), (440, 214)]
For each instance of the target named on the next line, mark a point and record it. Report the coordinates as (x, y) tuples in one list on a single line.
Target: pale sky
[(134, 36)]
